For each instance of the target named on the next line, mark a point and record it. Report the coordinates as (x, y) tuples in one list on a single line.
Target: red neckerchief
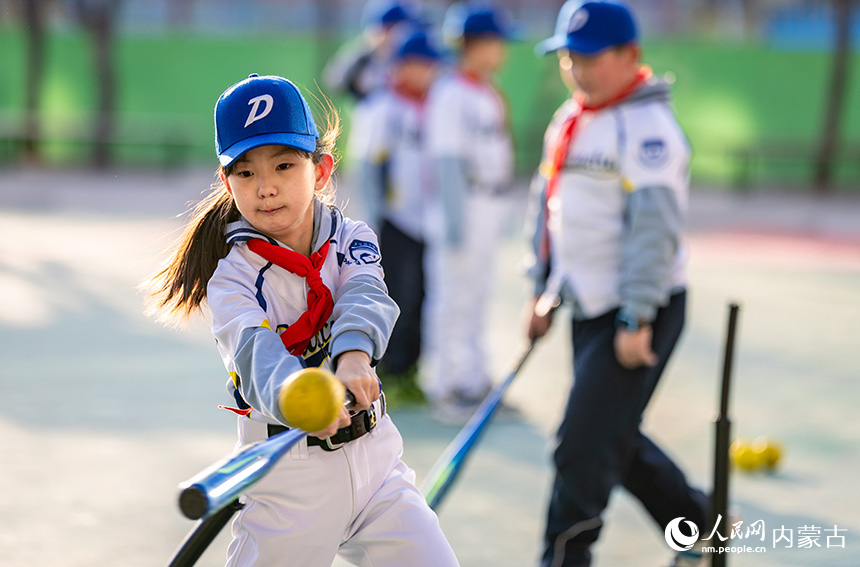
[(568, 127), (565, 138), (320, 303)]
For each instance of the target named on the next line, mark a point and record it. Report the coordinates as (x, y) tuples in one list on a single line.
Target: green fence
[(752, 113)]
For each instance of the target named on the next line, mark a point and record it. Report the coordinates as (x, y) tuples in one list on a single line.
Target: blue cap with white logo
[(477, 20), (385, 13), (590, 27), (262, 111), (420, 45)]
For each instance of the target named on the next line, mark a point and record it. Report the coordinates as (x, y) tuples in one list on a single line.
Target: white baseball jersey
[(252, 301), (617, 155), (468, 119), (388, 132)]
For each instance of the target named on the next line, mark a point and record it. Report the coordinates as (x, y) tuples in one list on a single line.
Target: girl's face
[(274, 187)]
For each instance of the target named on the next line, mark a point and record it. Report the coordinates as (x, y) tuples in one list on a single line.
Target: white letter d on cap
[(253, 116)]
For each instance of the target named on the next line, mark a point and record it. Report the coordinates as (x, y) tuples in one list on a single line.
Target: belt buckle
[(359, 428), (371, 419)]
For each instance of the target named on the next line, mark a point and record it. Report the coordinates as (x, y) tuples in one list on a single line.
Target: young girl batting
[(291, 283)]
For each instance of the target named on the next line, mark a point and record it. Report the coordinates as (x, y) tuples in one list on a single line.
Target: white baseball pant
[(359, 502)]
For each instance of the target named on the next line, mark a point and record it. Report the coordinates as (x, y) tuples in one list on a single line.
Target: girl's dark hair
[(178, 288)]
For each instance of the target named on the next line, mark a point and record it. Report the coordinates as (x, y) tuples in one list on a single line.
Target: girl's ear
[(226, 183), (324, 170)]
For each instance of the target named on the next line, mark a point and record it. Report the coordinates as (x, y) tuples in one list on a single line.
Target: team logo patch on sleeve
[(653, 153), (363, 252)]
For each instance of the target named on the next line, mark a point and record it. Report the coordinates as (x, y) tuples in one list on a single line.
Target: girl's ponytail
[(178, 289)]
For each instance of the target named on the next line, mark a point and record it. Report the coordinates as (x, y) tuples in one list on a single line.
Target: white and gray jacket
[(252, 301), (614, 227)]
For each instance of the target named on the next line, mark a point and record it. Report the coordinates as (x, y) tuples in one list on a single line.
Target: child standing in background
[(362, 66), (608, 208), (290, 283), (387, 143), (471, 147)]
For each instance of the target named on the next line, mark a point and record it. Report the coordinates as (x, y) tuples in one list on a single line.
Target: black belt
[(363, 423)]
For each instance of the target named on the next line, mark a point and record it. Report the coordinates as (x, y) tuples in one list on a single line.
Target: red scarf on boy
[(565, 139), (568, 127)]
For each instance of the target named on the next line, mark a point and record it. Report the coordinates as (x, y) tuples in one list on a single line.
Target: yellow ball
[(311, 399), (743, 456), (769, 452)]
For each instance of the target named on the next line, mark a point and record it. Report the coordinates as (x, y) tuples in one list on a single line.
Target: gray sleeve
[(263, 364), (452, 184), (364, 316), (654, 224)]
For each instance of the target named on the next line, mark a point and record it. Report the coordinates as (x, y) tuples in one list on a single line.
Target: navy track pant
[(600, 446), (403, 262)]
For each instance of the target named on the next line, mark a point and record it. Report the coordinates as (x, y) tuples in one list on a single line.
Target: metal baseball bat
[(221, 483), (218, 485), (199, 538), (723, 426), (448, 466)]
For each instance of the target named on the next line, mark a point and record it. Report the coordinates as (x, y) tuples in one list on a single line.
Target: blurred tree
[(843, 17), (34, 16), (99, 17)]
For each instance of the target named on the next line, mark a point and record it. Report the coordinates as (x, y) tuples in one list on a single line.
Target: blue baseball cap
[(418, 45), (262, 111), (590, 27), (477, 20), (386, 13)]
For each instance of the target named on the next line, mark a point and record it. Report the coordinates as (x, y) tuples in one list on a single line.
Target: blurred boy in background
[(609, 204), (470, 143), (362, 65), (393, 176)]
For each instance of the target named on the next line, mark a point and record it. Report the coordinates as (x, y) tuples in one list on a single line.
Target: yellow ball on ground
[(742, 455), (769, 452), (311, 399)]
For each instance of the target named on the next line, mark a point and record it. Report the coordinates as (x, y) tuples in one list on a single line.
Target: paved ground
[(104, 412)]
